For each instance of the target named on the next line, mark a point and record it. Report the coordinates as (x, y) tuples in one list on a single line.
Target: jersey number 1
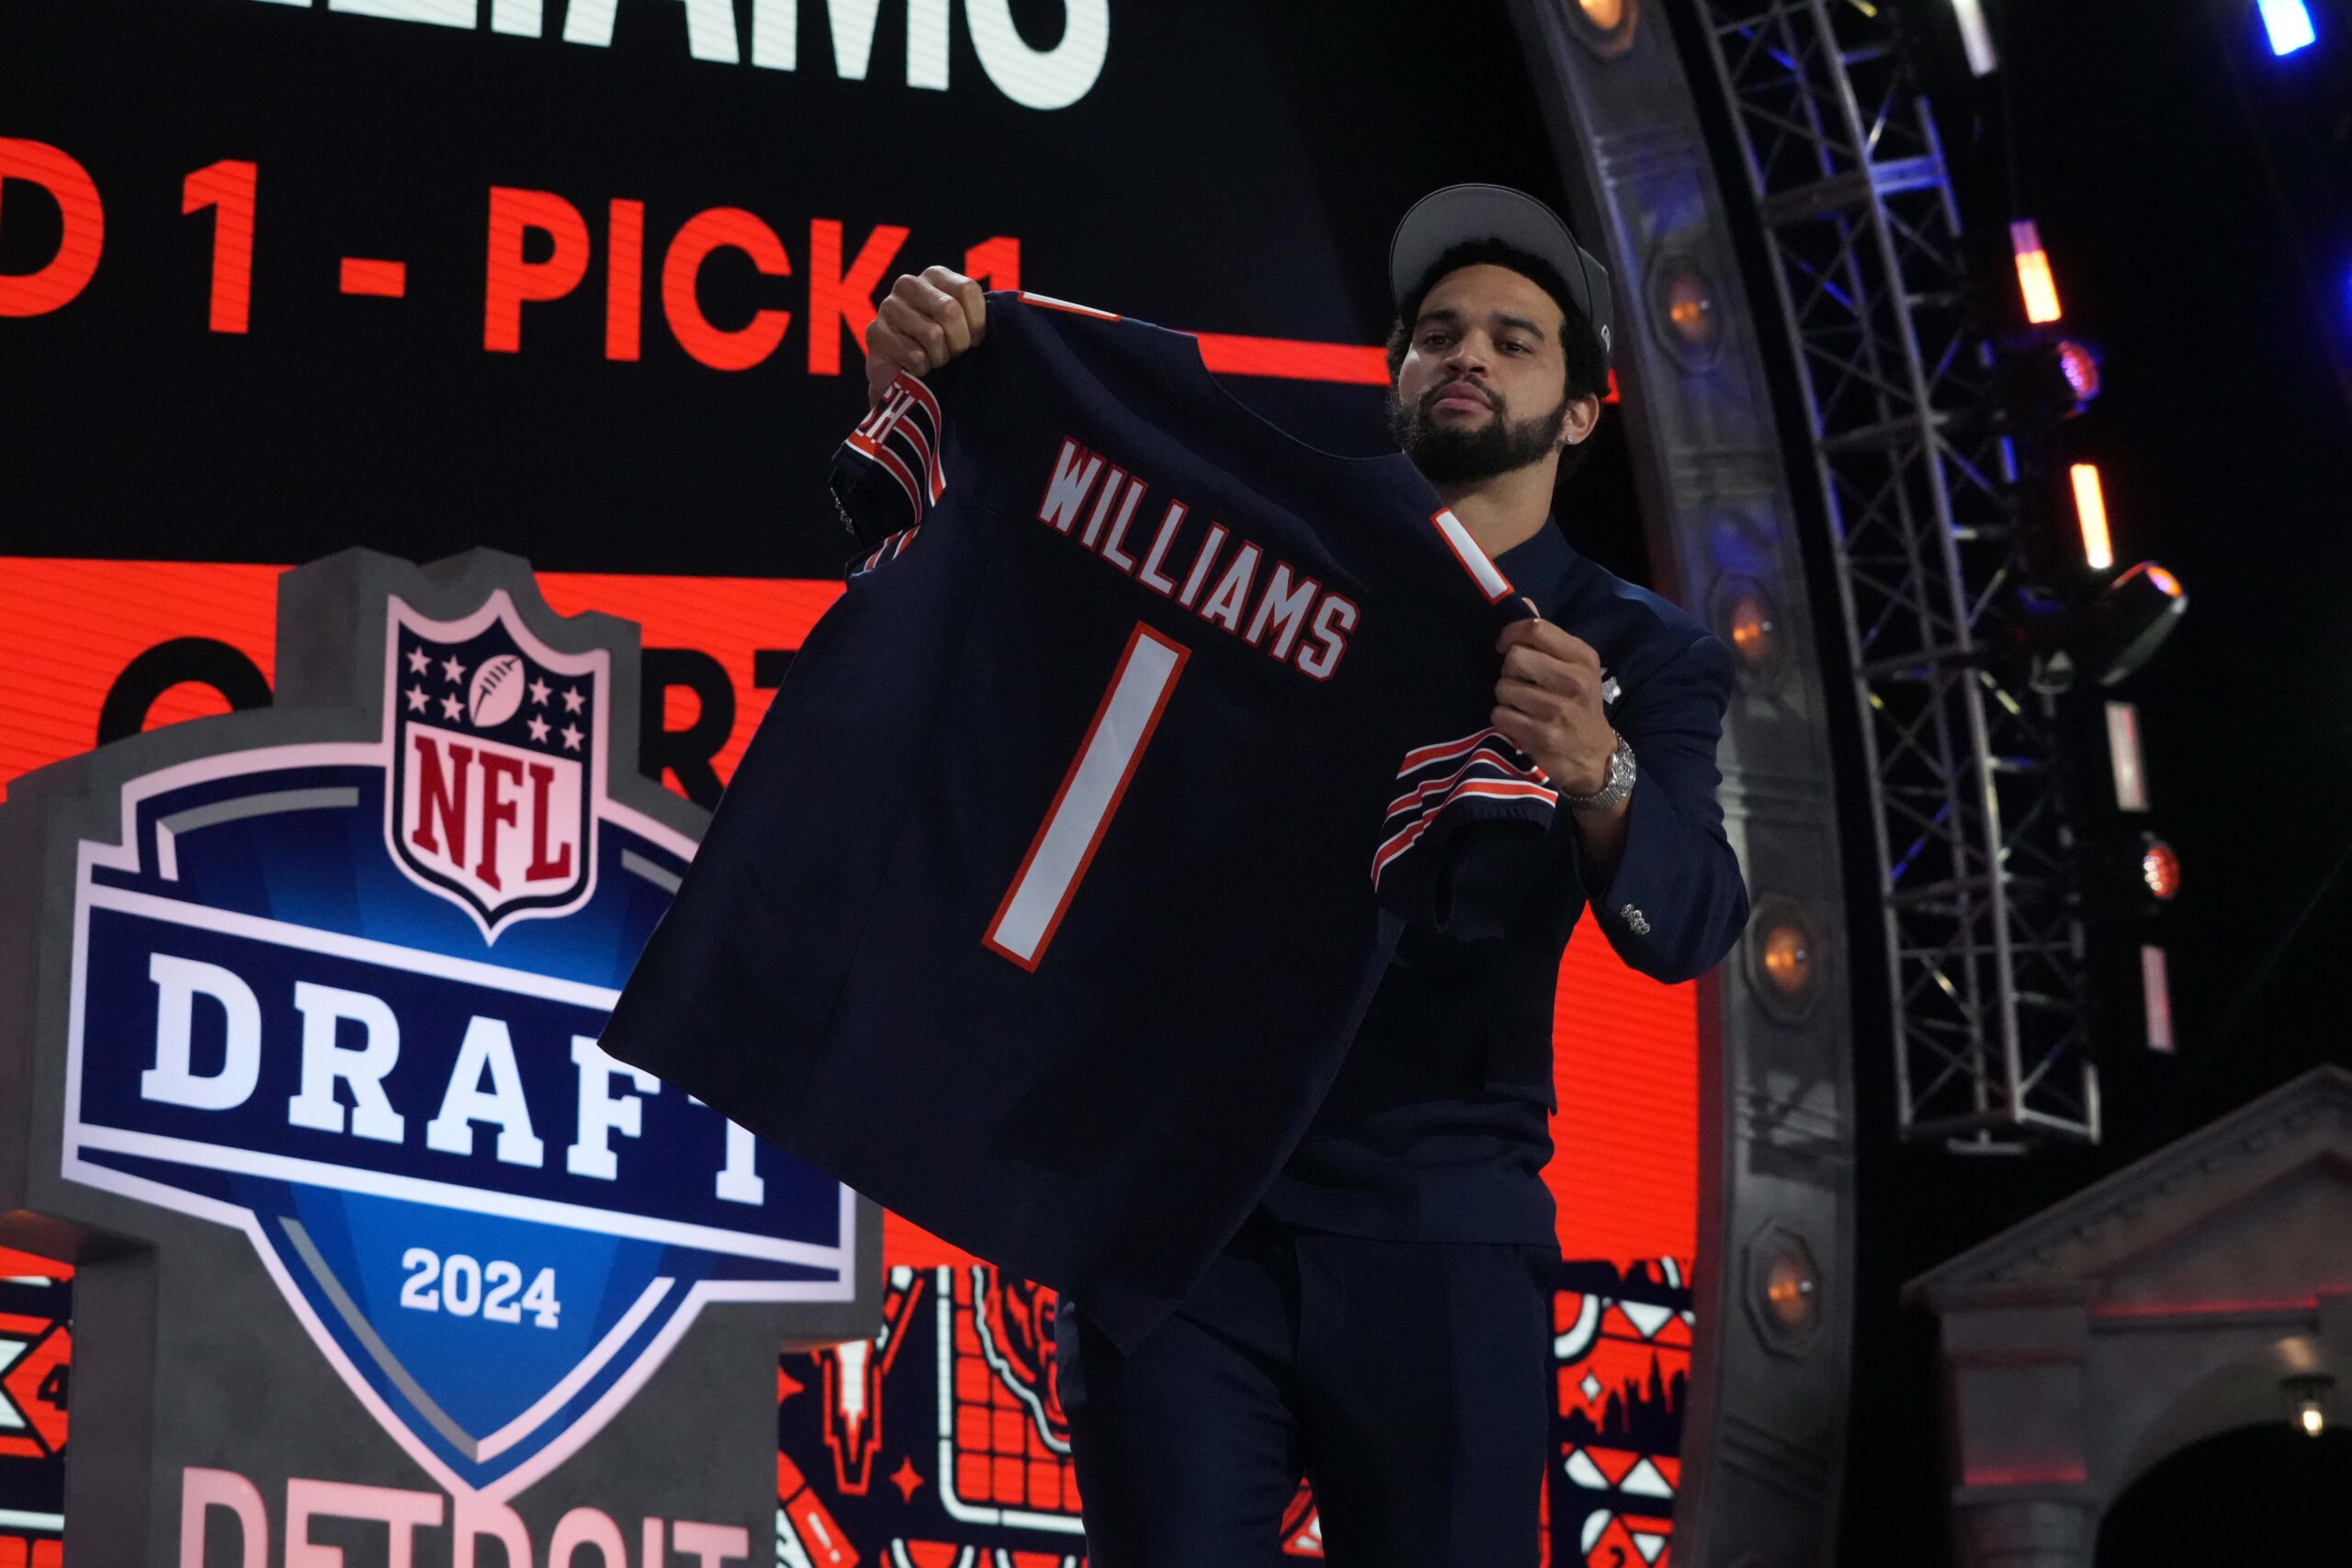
[(1081, 810)]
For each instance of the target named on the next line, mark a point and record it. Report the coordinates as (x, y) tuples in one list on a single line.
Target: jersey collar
[(1539, 566)]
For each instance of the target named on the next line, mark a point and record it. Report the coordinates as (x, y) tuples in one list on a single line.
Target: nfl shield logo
[(497, 742), (491, 1231)]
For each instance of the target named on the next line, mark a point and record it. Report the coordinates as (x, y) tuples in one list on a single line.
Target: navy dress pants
[(1407, 1381)]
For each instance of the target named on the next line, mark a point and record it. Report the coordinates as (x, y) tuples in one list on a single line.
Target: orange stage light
[(2034, 279), (2078, 362), (2090, 507)]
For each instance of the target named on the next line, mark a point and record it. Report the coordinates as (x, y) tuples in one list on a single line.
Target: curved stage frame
[(1764, 1438)]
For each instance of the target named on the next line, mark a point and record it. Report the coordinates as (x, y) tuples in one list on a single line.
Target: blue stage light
[(2289, 24)]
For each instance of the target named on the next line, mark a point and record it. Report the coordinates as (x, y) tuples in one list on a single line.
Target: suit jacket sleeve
[(1676, 903)]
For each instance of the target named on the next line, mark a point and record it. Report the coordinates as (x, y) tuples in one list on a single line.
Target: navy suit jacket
[(1674, 904)]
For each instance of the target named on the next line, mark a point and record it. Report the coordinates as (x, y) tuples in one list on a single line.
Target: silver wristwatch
[(1620, 784)]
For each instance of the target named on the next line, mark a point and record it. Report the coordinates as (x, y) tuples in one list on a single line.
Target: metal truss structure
[(1976, 877)]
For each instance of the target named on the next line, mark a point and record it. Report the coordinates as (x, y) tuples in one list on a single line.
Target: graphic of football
[(497, 690)]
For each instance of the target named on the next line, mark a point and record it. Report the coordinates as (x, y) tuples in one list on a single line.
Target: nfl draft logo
[(328, 981), (499, 740)]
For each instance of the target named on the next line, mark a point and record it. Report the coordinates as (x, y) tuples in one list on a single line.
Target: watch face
[(1618, 786), (1621, 777)]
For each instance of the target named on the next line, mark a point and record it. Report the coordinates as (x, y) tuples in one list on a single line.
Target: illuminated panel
[(1625, 1062), (2288, 23), (1344, 362), (2034, 279), (36, 1366), (1003, 1439), (68, 629), (1975, 37), (384, 280), (2155, 996), (1291, 359), (2090, 507), (2123, 755), (1622, 1318)]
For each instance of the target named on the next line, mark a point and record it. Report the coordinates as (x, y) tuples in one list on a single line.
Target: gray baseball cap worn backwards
[(1457, 214)]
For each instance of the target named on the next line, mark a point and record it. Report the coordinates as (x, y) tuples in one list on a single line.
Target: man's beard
[(1447, 454)]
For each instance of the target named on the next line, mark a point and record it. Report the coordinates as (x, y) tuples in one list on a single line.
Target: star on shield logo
[(498, 748)]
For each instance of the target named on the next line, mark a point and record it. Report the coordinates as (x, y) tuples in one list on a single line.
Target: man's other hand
[(921, 324)]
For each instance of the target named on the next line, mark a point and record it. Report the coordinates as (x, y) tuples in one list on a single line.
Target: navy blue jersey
[(1051, 890)]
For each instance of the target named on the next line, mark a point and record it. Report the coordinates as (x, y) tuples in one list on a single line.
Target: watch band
[(1620, 784)]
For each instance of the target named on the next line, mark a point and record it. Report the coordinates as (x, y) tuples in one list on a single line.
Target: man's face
[(1482, 390)]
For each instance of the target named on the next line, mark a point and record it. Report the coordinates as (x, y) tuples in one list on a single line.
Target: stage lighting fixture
[(2288, 23), (2124, 627), (2128, 879), (2159, 868), (1791, 1292), (1786, 960), (2049, 378), (2090, 512), (1746, 618), (2078, 362), (2104, 640), (1604, 26), (1784, 1289), (2123, 753), (2034, 279), (2307, 1400), (1682, 302), (2155, 998), (1975, 37)]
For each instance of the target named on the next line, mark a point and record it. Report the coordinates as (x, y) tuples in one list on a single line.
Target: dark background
[(2195, 196)]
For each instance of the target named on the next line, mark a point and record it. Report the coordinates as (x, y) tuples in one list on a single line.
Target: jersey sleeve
[(894, 468), (1458, 802), (890, 472)]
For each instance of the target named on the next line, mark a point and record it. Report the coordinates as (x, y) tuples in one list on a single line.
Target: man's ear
[(1584, 414)]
